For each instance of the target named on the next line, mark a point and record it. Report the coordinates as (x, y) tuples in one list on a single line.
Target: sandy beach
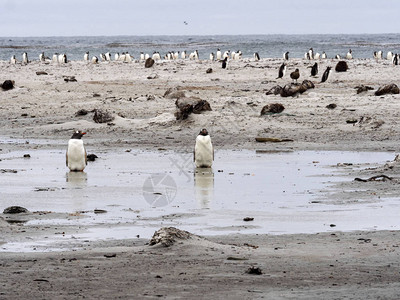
[(40, 113)]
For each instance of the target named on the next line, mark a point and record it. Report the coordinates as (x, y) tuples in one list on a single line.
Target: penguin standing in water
[(282, 71), (314, 70), (326, 74), (76, 157), (203, 150), (224, 62)]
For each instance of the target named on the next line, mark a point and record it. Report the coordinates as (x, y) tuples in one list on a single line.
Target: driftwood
[(387, 89), (189, 105), (274, 108), (374, 178)]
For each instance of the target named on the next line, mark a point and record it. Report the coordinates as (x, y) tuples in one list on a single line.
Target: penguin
[(389, 56), (141, 56), (196, 54), (307, 56), (116, 56), (86, 56), (395, 60), (95, 60), (176, 55), (317, 55), (183, 54), (337, 56), (311, 53), (103, 57), (146, 56), (224, 62), (233, 53), (121, 57), (25, 58), (128, 57), (282, 71), (13, 60), (76, 156), (256, 56), (379, 55), (42, 57), (314, 70), (295, 75), (203, 150), (55, 58), (60, 58), (212, 56), (375, 55), (323, 55), (286, 55), (226, 54), (238, 55), (108, 56), (326, 74), (219, 54), (349, 55)]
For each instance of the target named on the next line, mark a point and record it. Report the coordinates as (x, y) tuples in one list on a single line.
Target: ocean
[(268, 46)]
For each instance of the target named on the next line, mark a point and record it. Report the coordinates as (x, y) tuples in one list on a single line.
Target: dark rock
[(331, 106), (15, 210), (363, 88), (41, 73), (209, 70), (341, 66), (70, 79), (167, 236), (81, 112), (101, 116), (387, 89), (247, 219), (91, 157), (254, 271), (8, 85), (276, 90), (27, 156), (274, 108), (96, 95), (149, 63), (189, 105)]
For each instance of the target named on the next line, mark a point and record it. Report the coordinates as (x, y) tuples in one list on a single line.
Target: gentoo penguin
[(295, 75), (141, 56), (42, 57), (108, 56), (183, 54), (128, 57), (86, 56), (146, 56), (314, 70), (76, 157), (389, 56), (256, 56), (233, 53), (203, 150), (323, 55), (224, 62), (55, 58), (311, 53), (122, 57), (103, 57), (349, 55), (212, 56), (62, 58), (317, 55), (95, 60), (282, 71), (326, 74), (13, 60), (337, 56), (307, 56), (395, 59), (24, 58), (286, 55), (219, 54), (238, 55), (226, 54), (379, 55), (116, 56), (176, 55)]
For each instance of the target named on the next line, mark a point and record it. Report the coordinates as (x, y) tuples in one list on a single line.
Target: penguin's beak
[(83, 133)]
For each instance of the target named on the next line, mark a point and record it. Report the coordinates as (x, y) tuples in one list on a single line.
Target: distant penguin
[(317, 56), (25, 58), (224, 63), (141, 56), (226, 54), (13, 60), (323, 55), (314, 70), (311, 53), (103, 57), (86, 56), (337, 56), (176, 55), (212, 56), (233, 53), (196, 54), (203, 150), (295, 75), (349, 54), (395, 59), (128, 57), (307, 56), (95, 60), (238, 55), (183, 54), (282, 71), (146, 56), (116, 56), (42, 57), (219, 54), (286, 55), (76, 157), (389, 56), (62, 58), (379, 55), (108, 56), (326, 74), (256, 56), (121, 57), (55, 58)]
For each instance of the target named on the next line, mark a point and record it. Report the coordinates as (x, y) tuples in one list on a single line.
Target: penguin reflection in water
[(76, 157), (203, 150)]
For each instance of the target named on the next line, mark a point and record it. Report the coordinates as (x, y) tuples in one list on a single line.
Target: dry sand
[(358, 265)]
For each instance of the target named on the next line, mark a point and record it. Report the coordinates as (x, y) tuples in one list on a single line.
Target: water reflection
[(204, 186), (76, 179)]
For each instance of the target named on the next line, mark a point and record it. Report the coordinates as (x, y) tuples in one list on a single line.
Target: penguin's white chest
[(76, 155), (203, 151)]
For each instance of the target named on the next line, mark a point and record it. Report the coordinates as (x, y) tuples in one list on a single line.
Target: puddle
[(138, 192)]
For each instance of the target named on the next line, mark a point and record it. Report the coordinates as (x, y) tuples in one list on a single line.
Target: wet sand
[(39, 114)]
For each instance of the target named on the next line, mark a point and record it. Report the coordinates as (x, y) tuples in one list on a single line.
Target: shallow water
[(142, 191)]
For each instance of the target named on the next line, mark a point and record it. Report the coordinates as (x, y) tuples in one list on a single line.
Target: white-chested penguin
[(395, 59), (25, 58), (317, 56), (95, 60), (326, 74), (314, 70), (219, 54), (389, 56), (282, 71), (349, 55), (86, 56), (212, 56), (323, 55), (76, 157), (286, 55), (13, 60), (203, 150), (42, 57), (55, 58), (116, 56), (256, 56), (183, 54), (311, 53)]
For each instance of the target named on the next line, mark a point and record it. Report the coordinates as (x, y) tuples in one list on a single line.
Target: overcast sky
[(204, 17)]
